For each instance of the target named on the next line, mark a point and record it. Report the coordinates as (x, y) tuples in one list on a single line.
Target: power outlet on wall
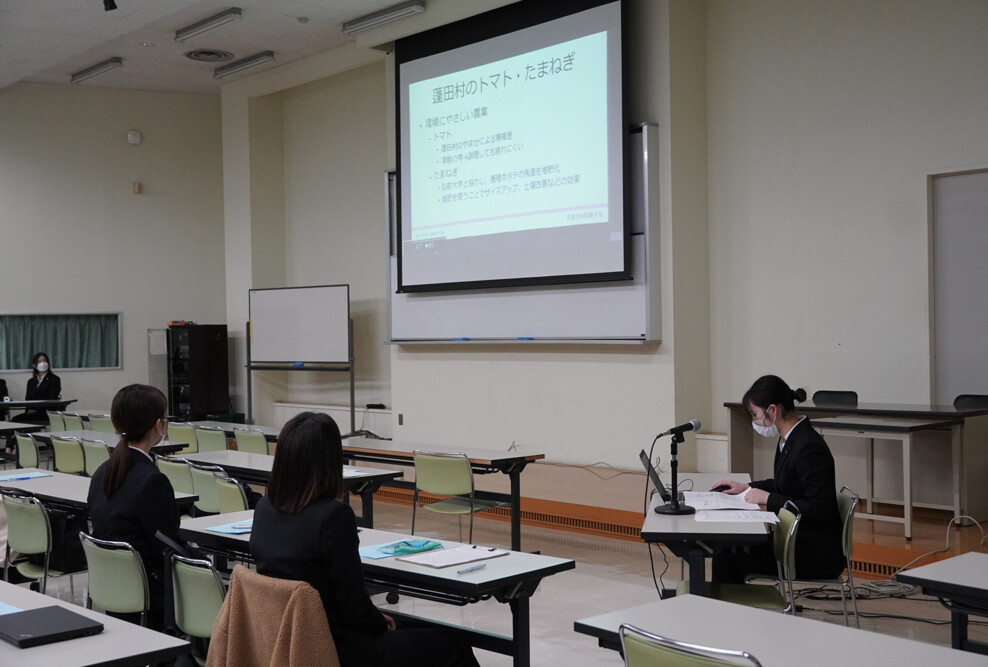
[(401, 419)]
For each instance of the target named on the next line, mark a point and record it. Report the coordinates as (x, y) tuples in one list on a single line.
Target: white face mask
[(767, 431), (42, 366)]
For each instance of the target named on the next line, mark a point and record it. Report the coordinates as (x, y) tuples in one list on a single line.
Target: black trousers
[(412, 645), (732, 565)]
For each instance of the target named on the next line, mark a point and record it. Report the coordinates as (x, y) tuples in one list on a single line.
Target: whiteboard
[(300, 325)]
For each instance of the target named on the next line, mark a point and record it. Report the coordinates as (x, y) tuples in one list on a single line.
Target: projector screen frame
[(489, 25)]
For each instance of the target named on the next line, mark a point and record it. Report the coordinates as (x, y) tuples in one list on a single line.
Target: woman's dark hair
[(308, 463), (135, 410), (34, 362), (772, 390)]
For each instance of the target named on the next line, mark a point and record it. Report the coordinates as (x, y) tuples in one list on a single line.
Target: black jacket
[(142, 505), (319, 545), (49, 388), (804, 474)]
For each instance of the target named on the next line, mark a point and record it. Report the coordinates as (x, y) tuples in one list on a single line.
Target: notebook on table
[(46, 625)]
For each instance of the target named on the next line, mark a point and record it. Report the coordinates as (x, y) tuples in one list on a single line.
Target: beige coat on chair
[(266, 621)]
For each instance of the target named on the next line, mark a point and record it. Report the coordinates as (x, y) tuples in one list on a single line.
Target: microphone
[(691, 425)]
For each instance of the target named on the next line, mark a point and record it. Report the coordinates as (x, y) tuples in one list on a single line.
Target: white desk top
[(405, 449), (120, 643), (890, 424), (263, 462), (59, 486), (19, 426), (661, 527), (773, 638), (967, 572)]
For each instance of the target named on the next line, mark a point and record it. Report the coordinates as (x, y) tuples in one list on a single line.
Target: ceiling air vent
[(208, 55)]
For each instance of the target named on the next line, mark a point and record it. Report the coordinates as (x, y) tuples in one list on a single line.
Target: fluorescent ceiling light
[(241, 65), (97, 69), (386, 15), (205, 25)]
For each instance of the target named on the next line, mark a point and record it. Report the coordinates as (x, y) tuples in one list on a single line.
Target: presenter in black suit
[(43, 385), (303, 531), (129, 498), (804, 474)]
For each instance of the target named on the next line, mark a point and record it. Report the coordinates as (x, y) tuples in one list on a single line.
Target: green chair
[(644, 649), (778, 597), (28, 533), (68, 455), (73, 422), (184, 432), (117, 580), (94, 453), (27, 451), (251, 441), (847, 503), (211, 439), (199, 592), (230, 495), (177, 472), (102, 424), (204, 486), (442, 474), (56, 422)]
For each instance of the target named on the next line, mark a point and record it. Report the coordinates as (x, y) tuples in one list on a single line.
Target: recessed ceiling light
[(147, 45)]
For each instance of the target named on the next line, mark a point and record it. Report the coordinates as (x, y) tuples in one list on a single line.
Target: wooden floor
[(880, 547)]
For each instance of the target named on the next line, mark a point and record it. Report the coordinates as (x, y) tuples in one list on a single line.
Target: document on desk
[(737, 516), (715, 500), (455, 556)]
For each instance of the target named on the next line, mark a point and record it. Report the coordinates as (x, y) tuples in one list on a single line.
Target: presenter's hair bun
[(799, 395)]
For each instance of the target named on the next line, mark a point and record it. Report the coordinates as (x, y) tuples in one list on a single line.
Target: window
[(90, 340)]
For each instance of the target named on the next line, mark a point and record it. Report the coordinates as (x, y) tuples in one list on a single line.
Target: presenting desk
[(256, 469), (121, 643), (773, 638), (901, 429), (695, 541), (71, 492), (510, 579), (961, 584), (483, 461)]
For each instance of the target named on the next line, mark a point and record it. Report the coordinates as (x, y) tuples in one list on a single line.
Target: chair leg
[(471, 527), (415, 506), (854, 598), (459, 527), (843, 604)]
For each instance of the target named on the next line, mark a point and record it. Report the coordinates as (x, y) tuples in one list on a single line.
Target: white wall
[(824, 120), (74, 237)]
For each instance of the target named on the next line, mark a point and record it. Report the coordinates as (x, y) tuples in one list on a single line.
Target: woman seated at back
[(804, 474), (129, 498), (43, 385), (303, 531)]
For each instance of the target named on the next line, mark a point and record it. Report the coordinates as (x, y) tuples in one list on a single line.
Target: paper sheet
[(737, 516), (714, 500), (455, 556)]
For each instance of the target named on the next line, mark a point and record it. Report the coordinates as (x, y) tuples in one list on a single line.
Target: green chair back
[(784, 542), (68, 455), (73, 422), (27, 451), (102, 424), (28, 532), (184, 432), (251, 440), (211, 439), (230, 495), (199, 593), (204, 486), (94, 453), (117, 580), (443, 474), (644, 649), (178, 473), (56, 422), (847, 504)]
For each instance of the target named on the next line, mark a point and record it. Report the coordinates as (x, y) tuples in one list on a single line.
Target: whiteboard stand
[(321, 367)]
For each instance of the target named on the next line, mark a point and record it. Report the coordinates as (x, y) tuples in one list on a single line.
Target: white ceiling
[(47, 40)]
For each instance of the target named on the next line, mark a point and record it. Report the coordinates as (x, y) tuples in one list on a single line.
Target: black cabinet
[(198, 373)]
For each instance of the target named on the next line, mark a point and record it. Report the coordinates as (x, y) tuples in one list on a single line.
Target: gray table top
[(966, 574), (263, 462), (405, 449), (59, 486), (664, 527), (773, 638), (120, 643), (10, 427), (886, 424), (40, 403)]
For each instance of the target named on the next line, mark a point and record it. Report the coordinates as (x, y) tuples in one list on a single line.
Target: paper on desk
[(236, 528), (737, 516), (715, 500), (454, 556)]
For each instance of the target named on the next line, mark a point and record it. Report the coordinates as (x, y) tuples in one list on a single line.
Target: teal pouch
[(405, 547)]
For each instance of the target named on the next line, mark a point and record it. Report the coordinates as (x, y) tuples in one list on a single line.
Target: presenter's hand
[(757, 496), (733, 487), (391, 621)]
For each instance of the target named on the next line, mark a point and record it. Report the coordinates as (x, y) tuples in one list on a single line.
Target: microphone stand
[(673, 506)]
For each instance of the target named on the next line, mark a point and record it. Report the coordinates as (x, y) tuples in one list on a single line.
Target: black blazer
[(143, 504), (3, 392), (49, 388), (804, 474), (319, 545)]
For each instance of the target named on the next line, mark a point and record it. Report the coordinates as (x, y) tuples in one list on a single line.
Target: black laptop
[(656, 482), (45, 625)]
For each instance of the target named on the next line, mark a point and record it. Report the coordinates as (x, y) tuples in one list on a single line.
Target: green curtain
[(70, 341)]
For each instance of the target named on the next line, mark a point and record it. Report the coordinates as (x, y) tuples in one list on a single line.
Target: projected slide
[(513, 145), (511, 161)]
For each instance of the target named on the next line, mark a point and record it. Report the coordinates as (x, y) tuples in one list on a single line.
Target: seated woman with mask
[(43, 385), (804, 474)]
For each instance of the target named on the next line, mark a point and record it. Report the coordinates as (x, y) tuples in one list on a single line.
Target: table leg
[(520, 631), (367, 506), (958, 630), (515, 477), (957, 465), (697, 561), (870, 476), (907, 483)]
